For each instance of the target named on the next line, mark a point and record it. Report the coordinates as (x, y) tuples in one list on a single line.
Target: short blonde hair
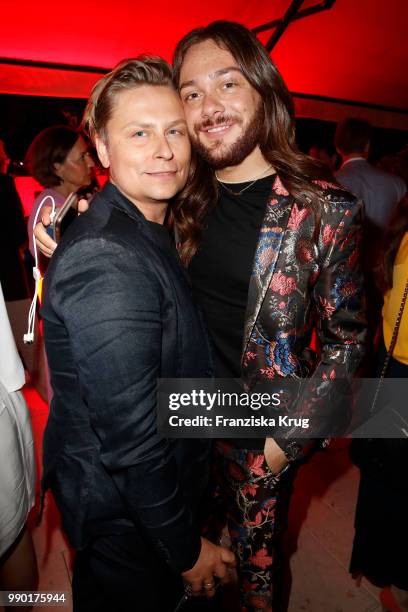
[(128, 74)]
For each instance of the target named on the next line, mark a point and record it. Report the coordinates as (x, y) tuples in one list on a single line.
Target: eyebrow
[(152, 125), (213, 75)]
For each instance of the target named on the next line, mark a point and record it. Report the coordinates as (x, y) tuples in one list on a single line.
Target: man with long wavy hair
[(274, 255)]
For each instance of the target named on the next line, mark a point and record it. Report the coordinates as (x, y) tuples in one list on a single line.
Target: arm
[(110, 303), (338, 299)]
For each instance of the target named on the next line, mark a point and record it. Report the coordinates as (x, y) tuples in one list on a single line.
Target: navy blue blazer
[(117, 315)]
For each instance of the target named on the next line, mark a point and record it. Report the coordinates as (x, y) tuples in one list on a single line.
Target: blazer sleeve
[(110, 302), (339, 303)]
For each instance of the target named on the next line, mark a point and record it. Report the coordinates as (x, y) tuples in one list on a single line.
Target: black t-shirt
[(221, 269)]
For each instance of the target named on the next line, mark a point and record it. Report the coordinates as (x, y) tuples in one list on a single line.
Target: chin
[(164, 193)]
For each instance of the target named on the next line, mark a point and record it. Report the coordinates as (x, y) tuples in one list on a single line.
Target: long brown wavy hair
[(398, 226), (295, 169)]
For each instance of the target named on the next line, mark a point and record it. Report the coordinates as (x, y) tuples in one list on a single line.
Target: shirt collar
[(353, 159)]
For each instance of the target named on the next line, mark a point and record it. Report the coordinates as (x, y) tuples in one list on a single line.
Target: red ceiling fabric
[(355, 51)]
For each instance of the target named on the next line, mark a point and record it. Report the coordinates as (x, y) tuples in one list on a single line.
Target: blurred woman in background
[(381, 538), (18, 565), (59, 159)]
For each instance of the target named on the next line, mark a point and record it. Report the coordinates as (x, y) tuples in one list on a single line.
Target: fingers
[(196, 587), (228, 557), (209, 586), (83, 205), (223, 573), (46, 215), (206, 586), (44, 242)]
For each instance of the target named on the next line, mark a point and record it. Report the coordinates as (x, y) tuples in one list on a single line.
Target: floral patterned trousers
[(246, 497)]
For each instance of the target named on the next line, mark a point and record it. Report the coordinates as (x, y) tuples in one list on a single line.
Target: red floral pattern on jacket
[(305, 276)]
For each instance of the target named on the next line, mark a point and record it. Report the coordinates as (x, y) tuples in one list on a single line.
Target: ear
[(102, 151), (57, 169)]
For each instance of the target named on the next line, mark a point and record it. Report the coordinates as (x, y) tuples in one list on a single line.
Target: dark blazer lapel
[(269, 244)]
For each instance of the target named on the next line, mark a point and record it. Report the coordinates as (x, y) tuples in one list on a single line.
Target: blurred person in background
[(60, 160), (13, 241), (18, 565), (396, 163), (13, 235), (379, 190), (324, 153), (380, 193), (381, 538)]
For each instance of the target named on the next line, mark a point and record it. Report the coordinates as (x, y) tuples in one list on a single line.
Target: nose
[(163, 149), (211, 105)]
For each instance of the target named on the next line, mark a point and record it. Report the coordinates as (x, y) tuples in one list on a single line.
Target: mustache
[(220, 120)]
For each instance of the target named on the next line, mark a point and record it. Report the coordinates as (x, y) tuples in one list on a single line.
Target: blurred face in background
[(77, 170), (146, 147)]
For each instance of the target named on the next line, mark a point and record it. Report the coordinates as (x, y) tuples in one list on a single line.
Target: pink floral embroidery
[(328, 234), (279, 188), (261, 559), (332, 375), (267, 373), (249, 586), (249, 355), (327, 308), (297, 217), (268, 506), (325, 184), (282, 305), (257, 521), (250, 490), (273, 202), (304, 251), (255, 464), (284, 285)]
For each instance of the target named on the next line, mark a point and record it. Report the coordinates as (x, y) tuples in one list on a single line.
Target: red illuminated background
[(356, 51)]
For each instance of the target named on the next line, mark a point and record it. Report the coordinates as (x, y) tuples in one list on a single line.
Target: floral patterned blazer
[(306, 278)]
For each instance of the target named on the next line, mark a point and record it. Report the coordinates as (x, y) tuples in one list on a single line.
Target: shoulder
[(336, 198), (99, 237), (50, 194)]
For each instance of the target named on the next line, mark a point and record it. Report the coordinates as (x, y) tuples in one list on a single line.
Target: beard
[(220, 155)]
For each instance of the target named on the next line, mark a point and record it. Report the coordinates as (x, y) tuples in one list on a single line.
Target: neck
[(252, 166), (153, 212), (64, 189)]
